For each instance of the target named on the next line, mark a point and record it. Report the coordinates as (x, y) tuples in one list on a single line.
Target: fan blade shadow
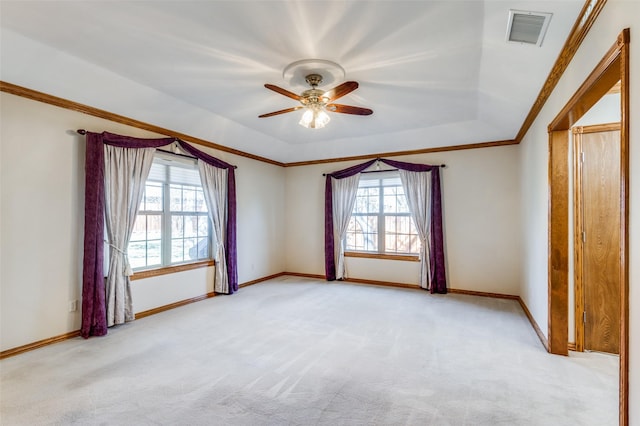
[(282, 91)]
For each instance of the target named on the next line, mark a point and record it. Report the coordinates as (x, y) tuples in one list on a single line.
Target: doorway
[(613, 67), (597, 237)]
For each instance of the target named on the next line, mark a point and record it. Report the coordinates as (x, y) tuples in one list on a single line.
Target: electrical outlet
[(73, 305)]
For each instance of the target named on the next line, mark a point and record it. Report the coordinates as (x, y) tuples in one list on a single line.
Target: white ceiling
[(435, 73)]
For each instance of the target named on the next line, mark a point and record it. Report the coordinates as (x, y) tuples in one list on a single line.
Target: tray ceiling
[(435, 73)]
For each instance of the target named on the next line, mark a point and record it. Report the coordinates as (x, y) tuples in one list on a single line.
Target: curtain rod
[(386, 170), (175, 153), (84, 132), (379, 171)]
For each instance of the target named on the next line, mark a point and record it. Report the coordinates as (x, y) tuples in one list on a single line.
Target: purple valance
[(129, 142), (215, 162), (411, 167), (436, 261), (94, 319)]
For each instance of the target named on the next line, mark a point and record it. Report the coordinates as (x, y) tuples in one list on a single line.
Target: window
[(172, 225), (381, 222)]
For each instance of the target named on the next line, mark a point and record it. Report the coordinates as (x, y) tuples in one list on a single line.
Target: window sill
[(405, 257), (171, 269)]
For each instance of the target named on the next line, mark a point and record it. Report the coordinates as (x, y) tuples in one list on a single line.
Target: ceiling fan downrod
[(314, 80), (313, 96)]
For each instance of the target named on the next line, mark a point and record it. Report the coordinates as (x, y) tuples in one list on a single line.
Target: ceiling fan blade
[(282, 111), (348, 109), (282, 91), (341, 90)]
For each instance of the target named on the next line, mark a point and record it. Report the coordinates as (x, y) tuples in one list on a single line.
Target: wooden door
[(598, 237)]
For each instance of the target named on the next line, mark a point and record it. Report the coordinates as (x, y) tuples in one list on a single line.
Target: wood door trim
[(595, 128), (603, 77), (614, 90), (577, 246), (558, 256), (623, 42), (612, 68)]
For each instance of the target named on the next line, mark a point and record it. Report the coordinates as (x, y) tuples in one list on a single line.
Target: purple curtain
[(231, 250), (94, 318), (437, 265), (329, 260), (94, 314), (439, 277)]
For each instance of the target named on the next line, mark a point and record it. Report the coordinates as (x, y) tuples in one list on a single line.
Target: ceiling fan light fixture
[(315, 117), (317, 102)]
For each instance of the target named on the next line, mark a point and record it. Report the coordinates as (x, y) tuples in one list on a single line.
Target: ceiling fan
[(317, 102)]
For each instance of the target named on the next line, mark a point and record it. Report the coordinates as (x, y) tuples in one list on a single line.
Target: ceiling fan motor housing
[(314, 80), (313, 96)]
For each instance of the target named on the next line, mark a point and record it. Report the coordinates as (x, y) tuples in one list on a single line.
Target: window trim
[(165, 270), (386, 256), (381, 215)]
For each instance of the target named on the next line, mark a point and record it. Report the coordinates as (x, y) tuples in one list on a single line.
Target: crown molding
[(583, 24), (116, 118)]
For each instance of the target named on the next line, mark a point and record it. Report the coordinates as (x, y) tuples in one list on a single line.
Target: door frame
[(578, 225), (613, 67)]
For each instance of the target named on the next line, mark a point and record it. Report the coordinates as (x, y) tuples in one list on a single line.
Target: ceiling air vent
[(527, 27)]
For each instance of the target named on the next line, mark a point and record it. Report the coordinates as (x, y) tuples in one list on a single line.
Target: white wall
[(615, 16), (42, 195), (162, 290), (481, 222), (606, 110), (261, 218), (42, 214)]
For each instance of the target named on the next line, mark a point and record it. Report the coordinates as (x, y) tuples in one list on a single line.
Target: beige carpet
[(295, 351)]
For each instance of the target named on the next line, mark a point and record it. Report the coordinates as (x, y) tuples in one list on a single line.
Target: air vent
[(527, 27)]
